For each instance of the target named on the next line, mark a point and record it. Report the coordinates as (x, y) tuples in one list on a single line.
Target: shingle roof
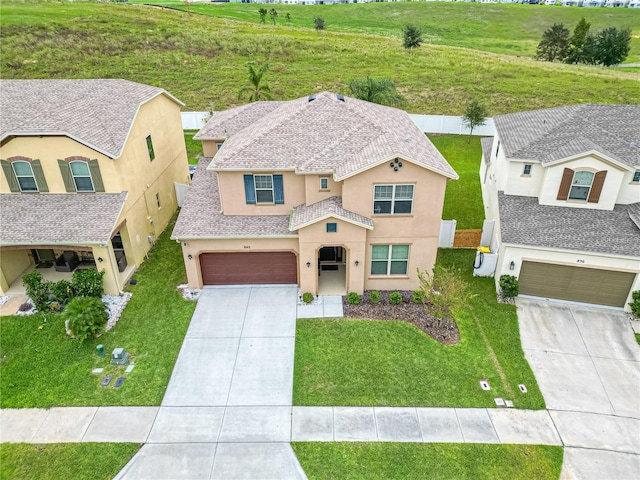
[(97, 113), (323, 135), (304, 215), (525, 222), (49, 219), (556, 133), (201, 214), (487, 147), (229, 122)]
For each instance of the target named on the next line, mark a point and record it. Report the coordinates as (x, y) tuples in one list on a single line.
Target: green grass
[(68, 461), (363, 362), (463, 198), (395, 461), (201, 59), (638, 338), (45, 368), (194, 147), (504, 29)]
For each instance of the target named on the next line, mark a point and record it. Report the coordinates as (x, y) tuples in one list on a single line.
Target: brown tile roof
[(557, 133), (523, 221), (323, 135), (304, 215), (487, 147), (201, 214), (97, 113), (50, 219)]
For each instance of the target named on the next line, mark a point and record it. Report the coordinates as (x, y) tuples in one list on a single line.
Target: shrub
[(446, 291), (37, 290), (307, 297), (88, 283), (395, 298), (374, 296), (635, 304), (418, 296), (86, 317), (509, 286), (353, 298), (62, 292)]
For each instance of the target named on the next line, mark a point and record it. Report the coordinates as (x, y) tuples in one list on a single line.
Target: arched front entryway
[(332, 270)]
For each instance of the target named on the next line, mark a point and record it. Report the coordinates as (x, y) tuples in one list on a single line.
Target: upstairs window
[(332, 227), (392, 199), (324, 183), (527, 169), (264, 188), (25, 177), (152, 154), (581, 185), (636, 177), (81, 176)]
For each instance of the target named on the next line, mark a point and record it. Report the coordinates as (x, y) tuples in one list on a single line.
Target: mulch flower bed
[(407, 311)]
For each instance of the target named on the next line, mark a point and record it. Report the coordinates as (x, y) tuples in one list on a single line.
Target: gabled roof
[(487, 148), (305, 215), (201, 214), (96, 113), (556, 133), (523, 221), (318, 134), (64, 219)]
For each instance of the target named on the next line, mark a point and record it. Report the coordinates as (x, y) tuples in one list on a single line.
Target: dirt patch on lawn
[(467, 238), (407, 311)]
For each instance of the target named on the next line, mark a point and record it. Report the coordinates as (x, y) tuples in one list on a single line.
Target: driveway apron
[(587, 364), (227, 410)]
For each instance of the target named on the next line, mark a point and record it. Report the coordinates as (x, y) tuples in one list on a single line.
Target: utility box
[(119, 357)]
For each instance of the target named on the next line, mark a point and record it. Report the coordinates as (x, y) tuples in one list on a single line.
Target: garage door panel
[(249, 268), (576, 284)]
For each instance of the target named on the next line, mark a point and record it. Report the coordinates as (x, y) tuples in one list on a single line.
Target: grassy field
[(396, 461), (364, 362), (506, 29), (68, 461), (463, 198), (201, 59), (45, 368)]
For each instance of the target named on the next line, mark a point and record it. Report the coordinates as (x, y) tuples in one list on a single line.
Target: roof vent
[(340, 97), (544, 121), (312, 97)]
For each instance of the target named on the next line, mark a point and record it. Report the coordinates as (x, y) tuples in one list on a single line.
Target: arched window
[(81, 176), (581, 185), (24, 175)]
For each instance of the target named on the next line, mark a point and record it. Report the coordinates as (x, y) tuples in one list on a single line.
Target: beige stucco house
[(88, 172), (328, 192), (563, 185)]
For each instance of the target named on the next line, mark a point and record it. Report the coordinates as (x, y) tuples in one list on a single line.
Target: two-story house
[(563, 185), (88, 172), (328, 192)]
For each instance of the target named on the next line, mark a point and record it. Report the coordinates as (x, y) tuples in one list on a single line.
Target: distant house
[(563, 185), (88, 172), (617, 3), (328, 192), (572, 3)]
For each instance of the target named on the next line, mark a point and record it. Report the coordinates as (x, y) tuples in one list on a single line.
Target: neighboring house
[(563, 185), (328, 192), (88, 172)]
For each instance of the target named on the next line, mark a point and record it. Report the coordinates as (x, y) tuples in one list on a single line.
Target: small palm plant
[(86, 317), (257, 91)]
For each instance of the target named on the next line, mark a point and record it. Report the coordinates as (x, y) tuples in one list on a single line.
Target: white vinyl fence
[(447, 233), (426, 123)]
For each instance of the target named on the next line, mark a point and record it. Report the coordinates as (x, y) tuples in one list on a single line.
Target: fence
[(427, 123)]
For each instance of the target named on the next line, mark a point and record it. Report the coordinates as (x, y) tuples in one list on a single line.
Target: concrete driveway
[(587, 364)]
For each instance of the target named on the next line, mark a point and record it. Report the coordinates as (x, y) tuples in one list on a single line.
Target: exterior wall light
[(512, 265), (308, 264), (190, 257), (99, 259), (357, 263)]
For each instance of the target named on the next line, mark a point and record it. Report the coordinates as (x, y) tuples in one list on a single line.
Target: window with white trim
[(581, 185), (324, 183), (392, 199), (264, 188), (636, 177), (527, 169), (81, 176), (25, 177), (389, 259)]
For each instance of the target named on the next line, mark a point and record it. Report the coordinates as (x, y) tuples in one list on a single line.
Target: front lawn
[(68, 461), (45, 368), (389, 461), (463, 198), (364, 362)]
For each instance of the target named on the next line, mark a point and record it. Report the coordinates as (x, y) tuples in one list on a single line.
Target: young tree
[(287, 17), (445, 291), (474, 116), (412, 37), (263, 14), (188, 3), (554, 44), (576, 42), (273, 13), (376, 91), (257, 91), (318, 23), (612, 46)]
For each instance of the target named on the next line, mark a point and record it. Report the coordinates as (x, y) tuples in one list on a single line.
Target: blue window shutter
[(249, 190), (278, 189)]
